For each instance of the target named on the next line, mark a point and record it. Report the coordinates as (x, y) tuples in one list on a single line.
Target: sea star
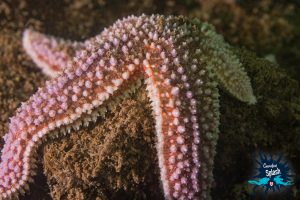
[(180, 61)]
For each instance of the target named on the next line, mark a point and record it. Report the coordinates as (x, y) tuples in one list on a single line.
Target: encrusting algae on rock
[(181, 61)]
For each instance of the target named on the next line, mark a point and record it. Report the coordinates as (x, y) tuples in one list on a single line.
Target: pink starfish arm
[(49, 53), (65, 100)]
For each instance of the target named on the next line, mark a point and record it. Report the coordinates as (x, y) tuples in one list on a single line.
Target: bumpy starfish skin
[(180, 61)]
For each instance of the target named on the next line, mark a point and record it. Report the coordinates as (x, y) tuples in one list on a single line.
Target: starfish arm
[(183, 125), (49, 53), (227, 66), (177, 141), (184, 98), (64, 103)]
